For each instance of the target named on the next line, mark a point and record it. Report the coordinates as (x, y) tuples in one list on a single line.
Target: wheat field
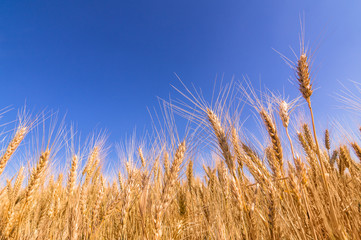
[(303, 182)]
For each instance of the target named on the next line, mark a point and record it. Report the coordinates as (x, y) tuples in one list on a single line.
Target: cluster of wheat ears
[(296, 186)]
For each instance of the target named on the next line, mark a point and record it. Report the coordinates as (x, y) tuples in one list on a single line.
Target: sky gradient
[(103, 63)]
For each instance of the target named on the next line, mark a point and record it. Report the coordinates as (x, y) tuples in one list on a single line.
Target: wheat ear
[(72, 175), (36, 175), (167, 190), (141, 157), (272, 132), (222, 139), (13, 145)]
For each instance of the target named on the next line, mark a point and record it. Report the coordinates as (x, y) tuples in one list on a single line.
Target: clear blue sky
[(105, 62)]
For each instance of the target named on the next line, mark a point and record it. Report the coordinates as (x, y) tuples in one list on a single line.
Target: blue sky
[(104, 62)]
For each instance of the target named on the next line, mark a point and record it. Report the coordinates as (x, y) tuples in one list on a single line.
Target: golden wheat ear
[(13, 145), (167, 191), (303, 77), (222, 139), (72, 175), (36, 175)]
